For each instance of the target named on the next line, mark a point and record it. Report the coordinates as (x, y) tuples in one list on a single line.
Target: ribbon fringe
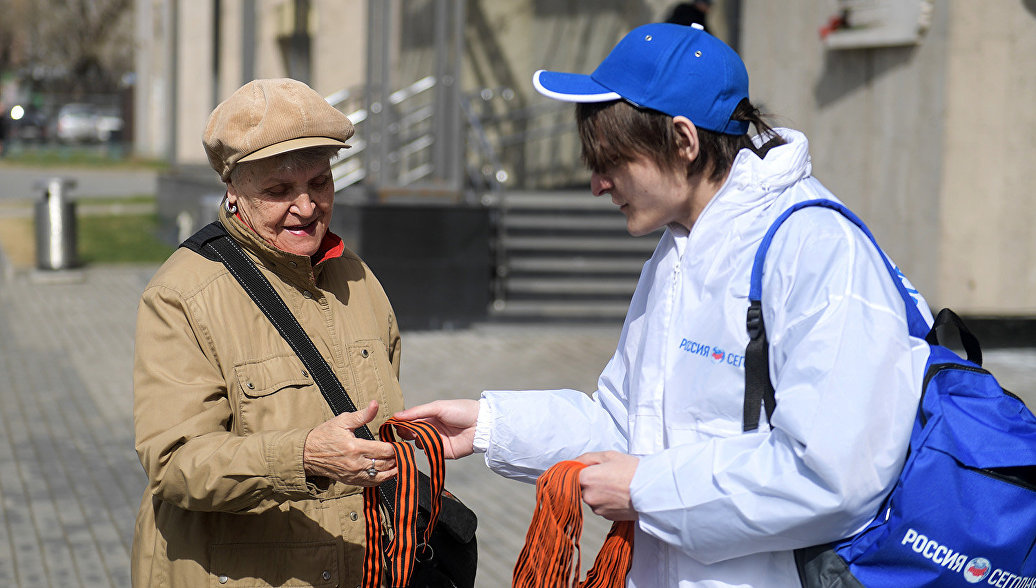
[(552, 542)]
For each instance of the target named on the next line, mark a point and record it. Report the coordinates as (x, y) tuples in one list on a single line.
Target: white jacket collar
[(753, 183), (752, 180)]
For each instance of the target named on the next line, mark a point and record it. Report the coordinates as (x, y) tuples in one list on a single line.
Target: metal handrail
[(494, 140), (409, 120)]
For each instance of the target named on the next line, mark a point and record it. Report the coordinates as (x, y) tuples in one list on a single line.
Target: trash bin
[(55, 225)]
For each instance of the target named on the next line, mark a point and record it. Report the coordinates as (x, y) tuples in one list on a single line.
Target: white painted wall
[(931, 144)]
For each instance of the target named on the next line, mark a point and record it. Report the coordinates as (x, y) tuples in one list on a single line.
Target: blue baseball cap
[(675, 69)]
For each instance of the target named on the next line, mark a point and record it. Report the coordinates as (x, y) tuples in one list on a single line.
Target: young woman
[(664, 122)]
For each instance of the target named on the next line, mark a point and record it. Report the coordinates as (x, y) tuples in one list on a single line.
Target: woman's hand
[(453, 419), (333, 451), (605, 483)]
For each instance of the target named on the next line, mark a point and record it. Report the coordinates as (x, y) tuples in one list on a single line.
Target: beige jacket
[(222, 407)]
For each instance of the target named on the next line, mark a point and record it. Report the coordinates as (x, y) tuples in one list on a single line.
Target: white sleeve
[(846, 375), (526, 432)]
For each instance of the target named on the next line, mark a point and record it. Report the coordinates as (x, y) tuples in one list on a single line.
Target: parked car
[(108, 124), (77, 123), (27, 125)]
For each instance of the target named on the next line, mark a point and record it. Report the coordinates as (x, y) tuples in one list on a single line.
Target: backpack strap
[(948, 318), (759, 390)]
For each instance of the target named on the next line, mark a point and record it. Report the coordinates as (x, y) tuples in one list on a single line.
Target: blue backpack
[(963, 510)]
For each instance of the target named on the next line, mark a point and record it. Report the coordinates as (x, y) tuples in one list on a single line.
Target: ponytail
[(718, 150)]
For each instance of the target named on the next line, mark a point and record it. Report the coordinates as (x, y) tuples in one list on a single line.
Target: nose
[(303, 205), (600, 184)]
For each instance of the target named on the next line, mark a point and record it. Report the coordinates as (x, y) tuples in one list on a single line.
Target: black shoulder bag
[(454, 554)]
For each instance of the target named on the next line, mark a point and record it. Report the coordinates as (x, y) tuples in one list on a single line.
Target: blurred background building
[(464, 189), (66, 71)]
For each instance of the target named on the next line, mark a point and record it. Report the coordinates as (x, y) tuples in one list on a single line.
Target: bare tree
[(67, 46)]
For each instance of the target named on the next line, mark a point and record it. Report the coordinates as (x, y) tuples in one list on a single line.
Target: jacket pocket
[(237, 565), (264, 377), (276, 392), (373, 376)]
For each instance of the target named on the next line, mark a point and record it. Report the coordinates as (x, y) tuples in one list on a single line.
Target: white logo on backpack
[(975, 570)]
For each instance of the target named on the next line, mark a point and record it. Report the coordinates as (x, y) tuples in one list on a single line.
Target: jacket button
[(223, 579), (353, 515), (326, 575), (293, 264), (364, 353), (306, 294), (305, 374), (251, 386)]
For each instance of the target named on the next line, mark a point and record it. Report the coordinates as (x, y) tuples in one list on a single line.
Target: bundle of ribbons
[(553, 538)]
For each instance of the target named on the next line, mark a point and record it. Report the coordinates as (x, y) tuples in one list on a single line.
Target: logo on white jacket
[(711, 352)]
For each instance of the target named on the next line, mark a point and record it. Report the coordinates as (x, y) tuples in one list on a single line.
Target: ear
[(232, 194), (687, 135)]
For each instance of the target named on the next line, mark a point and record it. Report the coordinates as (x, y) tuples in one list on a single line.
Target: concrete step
[(576, 265), (575, 310), (610, 221), (644, 245), (572, 286), (555, 201), (566, 256)]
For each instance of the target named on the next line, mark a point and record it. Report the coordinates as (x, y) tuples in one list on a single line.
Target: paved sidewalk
[(69, 478), (70, 482), (20, 183)]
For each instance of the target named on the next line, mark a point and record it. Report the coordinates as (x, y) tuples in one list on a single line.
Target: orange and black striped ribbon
[(403, 550), (553, 538)]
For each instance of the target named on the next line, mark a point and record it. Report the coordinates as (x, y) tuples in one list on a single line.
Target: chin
[(637, 231), (307, 249)]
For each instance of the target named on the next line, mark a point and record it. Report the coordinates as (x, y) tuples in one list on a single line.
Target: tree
[(67, 46)]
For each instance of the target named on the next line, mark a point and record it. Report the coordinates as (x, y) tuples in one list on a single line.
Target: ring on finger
[(373, 470)]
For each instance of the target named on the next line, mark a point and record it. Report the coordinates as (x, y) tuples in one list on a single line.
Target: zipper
[(1001, 475)]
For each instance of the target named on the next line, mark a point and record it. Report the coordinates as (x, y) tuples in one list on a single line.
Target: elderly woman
[(251, 480)]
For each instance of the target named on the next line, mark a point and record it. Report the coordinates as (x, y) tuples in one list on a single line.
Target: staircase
[(565, 256)]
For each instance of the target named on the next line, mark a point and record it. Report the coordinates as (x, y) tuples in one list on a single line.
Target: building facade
[(920, 118)]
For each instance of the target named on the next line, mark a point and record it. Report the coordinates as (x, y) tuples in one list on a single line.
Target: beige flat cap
[(264, 118)]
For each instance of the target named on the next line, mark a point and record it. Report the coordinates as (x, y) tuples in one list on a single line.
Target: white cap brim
[(570, 87)]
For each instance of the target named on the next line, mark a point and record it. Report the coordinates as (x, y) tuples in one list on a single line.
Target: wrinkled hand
[(605, 483), (333, 451), (453, 419)]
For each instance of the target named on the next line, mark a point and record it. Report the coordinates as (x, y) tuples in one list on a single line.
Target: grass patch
[(128, 238), (18, 241), (106, 156), (106, 239)]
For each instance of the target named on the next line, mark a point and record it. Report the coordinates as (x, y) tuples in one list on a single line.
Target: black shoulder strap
[(197, 241), (758, 388), (213, 242)]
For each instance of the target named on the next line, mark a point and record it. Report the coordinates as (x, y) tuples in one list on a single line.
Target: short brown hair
[(617, 132)]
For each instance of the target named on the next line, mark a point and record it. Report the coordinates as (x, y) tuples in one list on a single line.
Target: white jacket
[(718, 507)]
